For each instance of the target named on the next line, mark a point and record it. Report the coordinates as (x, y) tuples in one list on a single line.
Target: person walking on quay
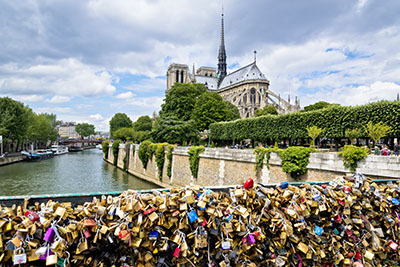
[(396, 149)]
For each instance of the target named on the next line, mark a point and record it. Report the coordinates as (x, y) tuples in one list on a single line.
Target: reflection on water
[(80, 172)]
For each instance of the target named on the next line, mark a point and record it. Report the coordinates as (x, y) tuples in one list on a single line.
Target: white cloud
[(29, 98), (58, 99), (68, 77), (57, 110), (126, 95), (96, 117)]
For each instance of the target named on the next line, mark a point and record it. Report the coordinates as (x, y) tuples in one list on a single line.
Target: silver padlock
[(19, 258)]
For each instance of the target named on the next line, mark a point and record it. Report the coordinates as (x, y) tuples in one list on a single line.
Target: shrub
[(105, 147), (352, 155), (115, 149), (194, 158), (295, 160)]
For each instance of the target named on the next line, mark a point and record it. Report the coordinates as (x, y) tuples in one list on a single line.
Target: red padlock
[(358, 255), (177, 252), (249, 184), (148, 211), (31, 215)]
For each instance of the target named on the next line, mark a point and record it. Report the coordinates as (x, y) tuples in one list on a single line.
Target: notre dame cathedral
[(247, 88)]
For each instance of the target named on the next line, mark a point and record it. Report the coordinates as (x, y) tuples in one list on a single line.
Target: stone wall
[(11, 160), (221, 167)]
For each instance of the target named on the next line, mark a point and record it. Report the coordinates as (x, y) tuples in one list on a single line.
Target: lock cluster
[(352, 221)]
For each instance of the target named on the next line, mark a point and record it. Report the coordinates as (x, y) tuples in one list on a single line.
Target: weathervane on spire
[(255, 56)]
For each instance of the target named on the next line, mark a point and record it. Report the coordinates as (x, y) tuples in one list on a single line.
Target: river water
[(80, 172)]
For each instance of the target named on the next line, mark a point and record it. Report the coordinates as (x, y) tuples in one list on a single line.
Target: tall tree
[(180, 100), (209, 108), (172, 130), (120, 120), (143, 123), (232, 111), (13, 119), (267, 110), (319, 105), (85, 129)]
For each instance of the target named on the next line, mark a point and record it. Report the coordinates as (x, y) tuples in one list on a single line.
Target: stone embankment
[(222, 167), (11, 159)]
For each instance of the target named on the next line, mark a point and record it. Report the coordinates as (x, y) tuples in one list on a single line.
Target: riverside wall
[(11, 160), (222, 167)]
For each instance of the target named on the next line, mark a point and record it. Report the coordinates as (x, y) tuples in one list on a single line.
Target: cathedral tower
[(221, 54)]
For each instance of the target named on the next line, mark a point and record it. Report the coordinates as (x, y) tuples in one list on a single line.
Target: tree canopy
[(267, 110), (143, 123), (119, 120), (319, 105), (180, 100), (85, 129), (172, 130), (14, 119), (210, 108)]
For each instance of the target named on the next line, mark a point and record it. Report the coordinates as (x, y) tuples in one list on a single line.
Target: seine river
[(80, 172)]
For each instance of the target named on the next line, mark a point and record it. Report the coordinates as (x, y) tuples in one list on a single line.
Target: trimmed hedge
[(334, 121)]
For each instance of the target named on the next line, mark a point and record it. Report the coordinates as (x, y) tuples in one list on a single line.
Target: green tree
[(40, 129), (120, 120), (125, 134), (14, 119), (172, 130), (232, 111), (267, 110), (181, 99), (85, 129), (143, 123), (313, 133), (209, 108), (353, 134), (377, 131), (319, 105)]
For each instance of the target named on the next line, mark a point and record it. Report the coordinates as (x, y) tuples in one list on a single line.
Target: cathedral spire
[(222, 53)]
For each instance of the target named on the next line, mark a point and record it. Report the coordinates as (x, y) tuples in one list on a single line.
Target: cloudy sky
[(87, 60)]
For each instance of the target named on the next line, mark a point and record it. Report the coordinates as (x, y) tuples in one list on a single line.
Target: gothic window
[(245, 99), (259, 98), (177, 76), (182, 76), (252, 96)]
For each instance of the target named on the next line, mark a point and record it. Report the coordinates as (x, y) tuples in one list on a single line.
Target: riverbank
[(11, 160)]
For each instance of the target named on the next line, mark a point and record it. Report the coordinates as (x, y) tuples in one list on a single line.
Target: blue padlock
[(318, 230), (284, 185), (395, 201), (229, 217), (153, 235), (192, 216)]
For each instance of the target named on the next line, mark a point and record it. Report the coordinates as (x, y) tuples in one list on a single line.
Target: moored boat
[(59, 150)]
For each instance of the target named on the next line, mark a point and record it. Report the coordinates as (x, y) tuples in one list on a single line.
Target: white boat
[(59, 150)]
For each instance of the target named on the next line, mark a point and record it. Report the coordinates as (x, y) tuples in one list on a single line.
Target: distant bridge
[(81, 141)]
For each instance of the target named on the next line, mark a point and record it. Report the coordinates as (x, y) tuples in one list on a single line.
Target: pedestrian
[(396, 149)]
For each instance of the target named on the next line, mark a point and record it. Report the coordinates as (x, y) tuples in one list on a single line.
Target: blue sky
[(87, 60)]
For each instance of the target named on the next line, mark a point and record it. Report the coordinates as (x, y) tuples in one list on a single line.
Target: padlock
[(192, 216), (49, 235), (31, 215), (51, 260), (19, 258)]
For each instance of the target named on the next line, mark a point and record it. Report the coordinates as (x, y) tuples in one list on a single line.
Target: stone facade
[(224, 167)]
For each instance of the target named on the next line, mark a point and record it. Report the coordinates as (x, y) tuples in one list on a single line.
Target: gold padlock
[(51, 260)]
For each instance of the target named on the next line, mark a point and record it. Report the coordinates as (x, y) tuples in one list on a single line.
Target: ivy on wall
[(352, 155), (264, 153), (143, 153), (295, 160), (194, 158), (115, 149), (105, 147), (170, 149)]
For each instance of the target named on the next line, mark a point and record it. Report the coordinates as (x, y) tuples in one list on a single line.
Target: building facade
[(247, 88), (67, 130)]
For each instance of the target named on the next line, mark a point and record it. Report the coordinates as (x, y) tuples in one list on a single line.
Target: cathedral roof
[(249, 72), (209, 82)]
